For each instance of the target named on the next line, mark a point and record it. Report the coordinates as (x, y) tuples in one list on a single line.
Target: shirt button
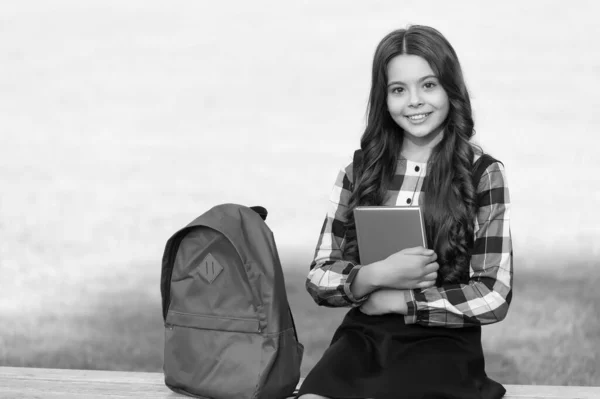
[(416, 168), (408, 200)]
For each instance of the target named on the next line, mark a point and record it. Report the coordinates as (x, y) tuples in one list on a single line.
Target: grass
[(550, 336)]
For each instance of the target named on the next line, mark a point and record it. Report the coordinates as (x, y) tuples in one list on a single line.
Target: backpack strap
[(356, 165), (480, 166)]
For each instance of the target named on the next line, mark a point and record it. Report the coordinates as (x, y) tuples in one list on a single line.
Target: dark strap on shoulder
[(480, 166), (356, 164)]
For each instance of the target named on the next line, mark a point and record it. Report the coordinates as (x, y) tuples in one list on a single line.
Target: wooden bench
[(23, 382)]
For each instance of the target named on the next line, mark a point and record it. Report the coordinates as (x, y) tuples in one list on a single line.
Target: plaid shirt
[(484, 300)]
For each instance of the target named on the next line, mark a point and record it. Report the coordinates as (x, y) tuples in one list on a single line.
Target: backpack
[(229, 331)]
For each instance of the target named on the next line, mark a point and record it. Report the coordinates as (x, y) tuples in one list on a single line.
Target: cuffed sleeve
[(411, 315)]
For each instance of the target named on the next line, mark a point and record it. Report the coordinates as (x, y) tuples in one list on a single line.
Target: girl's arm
[(330, 276), (486, 298)]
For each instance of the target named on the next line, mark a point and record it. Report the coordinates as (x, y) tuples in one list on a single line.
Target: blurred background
[(120, 122)]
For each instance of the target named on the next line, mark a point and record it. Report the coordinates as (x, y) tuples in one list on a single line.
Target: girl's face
[(415, 98)]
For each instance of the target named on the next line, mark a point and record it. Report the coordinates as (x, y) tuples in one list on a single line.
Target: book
[(384, 230)]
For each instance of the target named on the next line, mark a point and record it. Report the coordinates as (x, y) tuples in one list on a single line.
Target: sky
[(120, 122)]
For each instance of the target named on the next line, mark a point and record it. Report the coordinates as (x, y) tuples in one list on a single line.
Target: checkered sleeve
[(486, 297), (330, 276)]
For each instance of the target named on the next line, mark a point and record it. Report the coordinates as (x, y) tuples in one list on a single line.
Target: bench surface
[(24, 382)]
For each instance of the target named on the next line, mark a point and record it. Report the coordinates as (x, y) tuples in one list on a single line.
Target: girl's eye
[(397, 90), (429, 85)]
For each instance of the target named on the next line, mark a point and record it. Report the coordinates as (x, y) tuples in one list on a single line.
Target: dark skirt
[(380, 357)]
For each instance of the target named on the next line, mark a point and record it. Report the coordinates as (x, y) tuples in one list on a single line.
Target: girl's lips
[(418, 118)]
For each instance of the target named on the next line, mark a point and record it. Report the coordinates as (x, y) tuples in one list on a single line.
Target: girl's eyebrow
[(399, 82)]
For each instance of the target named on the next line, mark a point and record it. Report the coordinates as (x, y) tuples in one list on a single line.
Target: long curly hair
[(449, 199)]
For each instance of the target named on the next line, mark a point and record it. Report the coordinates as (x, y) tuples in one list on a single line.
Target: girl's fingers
[(430, 277), (418, 251), (426, 284), (431, 267)]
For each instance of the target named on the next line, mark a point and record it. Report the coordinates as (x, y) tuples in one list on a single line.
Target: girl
[(414, 330)]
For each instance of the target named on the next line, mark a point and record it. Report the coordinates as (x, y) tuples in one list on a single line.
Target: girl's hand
[(410, 268), (385, 301)]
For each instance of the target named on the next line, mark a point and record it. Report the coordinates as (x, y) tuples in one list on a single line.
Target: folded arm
[(486, 297)]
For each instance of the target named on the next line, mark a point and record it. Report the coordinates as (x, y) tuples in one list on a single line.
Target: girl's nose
[(415, 100)]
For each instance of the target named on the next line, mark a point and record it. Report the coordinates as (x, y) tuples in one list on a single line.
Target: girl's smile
[(418, 118)]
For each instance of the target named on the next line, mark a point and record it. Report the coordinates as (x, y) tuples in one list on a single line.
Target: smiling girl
[(414, 328)]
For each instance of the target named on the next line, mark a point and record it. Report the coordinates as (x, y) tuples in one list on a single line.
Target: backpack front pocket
[(210, 356)]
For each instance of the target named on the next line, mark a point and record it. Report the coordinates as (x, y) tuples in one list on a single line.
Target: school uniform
[(435, 350)]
